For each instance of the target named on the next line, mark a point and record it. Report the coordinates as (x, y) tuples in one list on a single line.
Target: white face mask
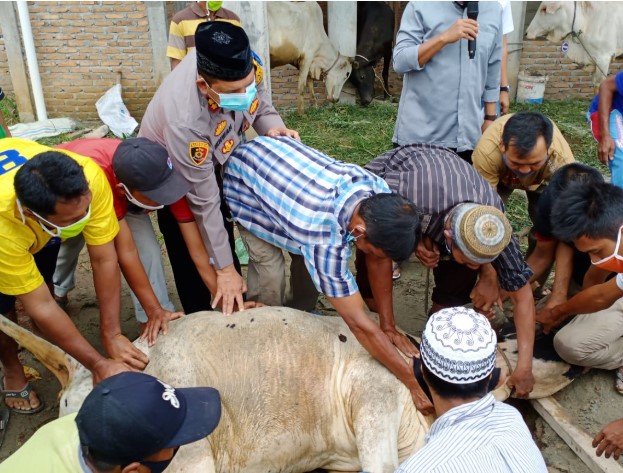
[(132, 199)]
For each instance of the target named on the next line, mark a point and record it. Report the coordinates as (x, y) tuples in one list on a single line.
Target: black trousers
[(193, 293), (46, 264)]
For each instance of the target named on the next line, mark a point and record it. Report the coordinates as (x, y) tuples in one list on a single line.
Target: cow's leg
[(387, 57), (303, 75), (377, 403), (310, 84)]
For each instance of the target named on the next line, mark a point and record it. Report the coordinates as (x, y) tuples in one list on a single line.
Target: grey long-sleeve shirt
[(197, 133), (441, 101)]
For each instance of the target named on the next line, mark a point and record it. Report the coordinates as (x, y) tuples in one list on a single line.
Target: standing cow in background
[(593, 30), (375, 38), (297, 37)]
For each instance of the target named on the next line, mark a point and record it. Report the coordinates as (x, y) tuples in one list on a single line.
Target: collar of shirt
[(462, 413)]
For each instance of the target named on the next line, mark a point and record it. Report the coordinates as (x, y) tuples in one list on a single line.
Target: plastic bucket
[(530, 88)]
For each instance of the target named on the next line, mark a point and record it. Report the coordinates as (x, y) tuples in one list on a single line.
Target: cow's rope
[(323, 74), (577, 37)]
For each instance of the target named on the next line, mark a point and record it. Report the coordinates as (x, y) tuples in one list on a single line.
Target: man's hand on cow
[(605, 149), (230, 287), (421, 401), (427, 252), (105, 368), (274, 132), (610, 440), (158, 321), (522, 382), (486, 292), (401, 342), (461, 29), (548, 319), (504, 102), (119, 348)]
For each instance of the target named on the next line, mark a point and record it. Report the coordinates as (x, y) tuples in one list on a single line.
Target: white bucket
[(530, 88)]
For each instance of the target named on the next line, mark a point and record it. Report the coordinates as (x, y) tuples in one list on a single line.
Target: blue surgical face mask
[(238, 102)]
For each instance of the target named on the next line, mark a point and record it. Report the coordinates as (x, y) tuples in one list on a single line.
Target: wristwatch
[(491, 118), (505, 88)]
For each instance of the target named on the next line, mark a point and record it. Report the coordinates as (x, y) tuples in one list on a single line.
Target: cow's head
[(555, 20), (335, 75), (363, 79)]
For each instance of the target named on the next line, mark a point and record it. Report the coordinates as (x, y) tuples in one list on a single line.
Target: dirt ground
[(591, 400)]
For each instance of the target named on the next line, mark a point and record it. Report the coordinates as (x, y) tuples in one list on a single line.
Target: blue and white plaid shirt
[(300, 200)]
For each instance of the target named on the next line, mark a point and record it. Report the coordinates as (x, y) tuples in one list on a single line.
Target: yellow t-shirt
[(19, 240), (487, 159), (54, 448)]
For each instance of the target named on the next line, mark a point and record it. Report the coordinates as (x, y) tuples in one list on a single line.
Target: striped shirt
[(436, 180), (302, 201), (484, 436), (184, 24)]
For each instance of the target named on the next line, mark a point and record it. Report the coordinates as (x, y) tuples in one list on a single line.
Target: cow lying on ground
[(375, 37), (298, 391), (599, 29), (296, 36)]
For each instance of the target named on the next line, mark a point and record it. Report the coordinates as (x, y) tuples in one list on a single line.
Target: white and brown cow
[(297, 37), (298, 391)]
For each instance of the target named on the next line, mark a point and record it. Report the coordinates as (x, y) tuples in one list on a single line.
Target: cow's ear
[(552, 7)]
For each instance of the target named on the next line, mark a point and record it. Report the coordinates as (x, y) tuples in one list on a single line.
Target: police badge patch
[(198, 151)]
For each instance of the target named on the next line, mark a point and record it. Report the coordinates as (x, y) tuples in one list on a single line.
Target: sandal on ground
[(618, 385), (4, 421), (395, 272), (23, 393)]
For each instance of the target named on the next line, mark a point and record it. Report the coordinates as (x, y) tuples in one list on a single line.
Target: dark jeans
[(193, 293), (46, 264)]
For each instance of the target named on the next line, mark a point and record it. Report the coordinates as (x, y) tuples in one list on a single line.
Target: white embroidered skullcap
[(458, 345), (480, 231)]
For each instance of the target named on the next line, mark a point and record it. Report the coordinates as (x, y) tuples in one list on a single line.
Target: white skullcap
[(458, 345)]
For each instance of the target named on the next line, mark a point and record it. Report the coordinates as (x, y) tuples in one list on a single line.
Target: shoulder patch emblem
[(254, 105), (213, 106), (227, 146), (220, 127), (198, 151), (259, 72)]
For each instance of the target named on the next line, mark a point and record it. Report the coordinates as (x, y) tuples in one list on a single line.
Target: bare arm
[(381, 284), (562, 276), (461, 29), (60, 330), (607, 89), (504, 95), (378, 345), (522, 379), (542, 258), (134, 273), (175, 62), (107, 281)]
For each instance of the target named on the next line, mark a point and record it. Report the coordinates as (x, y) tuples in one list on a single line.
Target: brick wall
[(82, 45), (565, 78)]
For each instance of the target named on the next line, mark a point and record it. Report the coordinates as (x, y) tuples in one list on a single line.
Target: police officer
[(199, 114)]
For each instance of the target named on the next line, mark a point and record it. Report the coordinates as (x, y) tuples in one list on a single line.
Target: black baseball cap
[(223, 50), (145, 166), (131, 416)]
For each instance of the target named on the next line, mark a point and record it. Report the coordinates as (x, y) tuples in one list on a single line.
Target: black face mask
[(159, 467)]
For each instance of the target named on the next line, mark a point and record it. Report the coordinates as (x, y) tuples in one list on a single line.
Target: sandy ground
[(591, 400)]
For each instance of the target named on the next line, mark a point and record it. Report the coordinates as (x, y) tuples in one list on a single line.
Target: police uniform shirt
[(197, 133)]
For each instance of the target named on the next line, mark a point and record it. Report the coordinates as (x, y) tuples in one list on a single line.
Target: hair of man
[(523, 129), (392, 224), (594, 211), (47, 178)]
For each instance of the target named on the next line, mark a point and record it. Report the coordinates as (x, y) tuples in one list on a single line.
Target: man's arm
[(522, 379), (504, 95), (107, 281), (491, 94), (588, 301), (134, 273), (411, 54), (60, 330), (380, 278), (542, 257), (562, 276), (607, 89), (378, 345)]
